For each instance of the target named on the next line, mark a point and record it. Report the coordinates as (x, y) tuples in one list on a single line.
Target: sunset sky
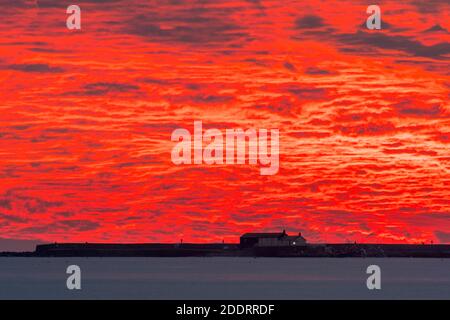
[(86, 118)]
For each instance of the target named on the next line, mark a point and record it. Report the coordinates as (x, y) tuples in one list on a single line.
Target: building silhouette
[(277, 239)]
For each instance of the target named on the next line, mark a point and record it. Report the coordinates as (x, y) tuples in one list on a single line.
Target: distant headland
[(278, 244)]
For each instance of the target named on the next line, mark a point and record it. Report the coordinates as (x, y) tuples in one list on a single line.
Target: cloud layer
[(87, 116)]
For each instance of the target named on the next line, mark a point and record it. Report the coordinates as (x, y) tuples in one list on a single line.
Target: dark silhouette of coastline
[(251, 245)]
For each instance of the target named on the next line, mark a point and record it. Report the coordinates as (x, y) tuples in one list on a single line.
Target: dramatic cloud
[(443, 237), (196, 23), (102, 88), (400, 43), (35, 68), (87, 118), (309, 22)]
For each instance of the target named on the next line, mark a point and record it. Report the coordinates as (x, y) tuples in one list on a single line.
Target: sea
[(234, 278)]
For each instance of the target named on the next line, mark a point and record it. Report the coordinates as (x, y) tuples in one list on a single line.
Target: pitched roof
[(294, 237)]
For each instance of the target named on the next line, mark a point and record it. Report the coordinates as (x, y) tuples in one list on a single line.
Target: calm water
[(224, 278)]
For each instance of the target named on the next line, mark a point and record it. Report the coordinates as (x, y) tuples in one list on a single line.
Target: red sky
[(86, 119)]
